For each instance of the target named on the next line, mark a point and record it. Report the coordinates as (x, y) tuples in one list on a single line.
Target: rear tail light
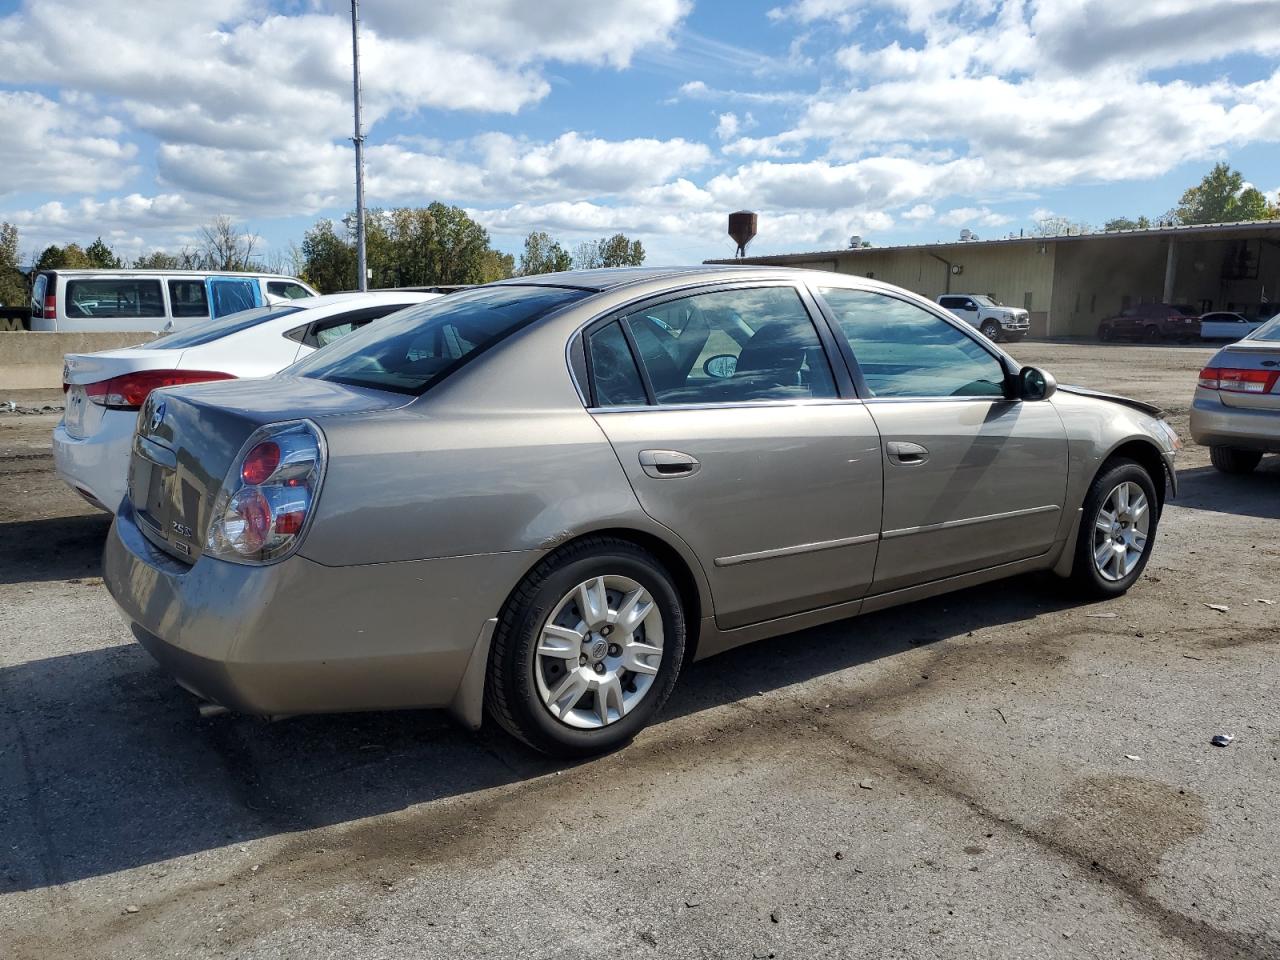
[(51, 305), (130, 390), (1238, 381), (261, 512)]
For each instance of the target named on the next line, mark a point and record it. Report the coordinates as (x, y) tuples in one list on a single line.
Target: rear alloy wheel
[(1117, 530), (1152, 335), (1234, 460), (991, 330), (587, 650)]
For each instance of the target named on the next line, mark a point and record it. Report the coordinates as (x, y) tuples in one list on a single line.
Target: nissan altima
[(538, 500)]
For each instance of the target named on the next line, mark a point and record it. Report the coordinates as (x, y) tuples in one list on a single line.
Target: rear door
[(735, 433), (233, 294), (971, 479)]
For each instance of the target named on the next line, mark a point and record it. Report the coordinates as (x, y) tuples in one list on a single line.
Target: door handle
[(906, 454), (668, 464)]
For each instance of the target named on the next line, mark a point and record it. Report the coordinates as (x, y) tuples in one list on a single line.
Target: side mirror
[(1036, 384), (721, 367)]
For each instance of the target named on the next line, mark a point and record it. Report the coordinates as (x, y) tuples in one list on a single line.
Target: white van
[(150, 300)]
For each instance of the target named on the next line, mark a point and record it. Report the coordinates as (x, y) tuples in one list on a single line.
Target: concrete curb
[(33, 361)]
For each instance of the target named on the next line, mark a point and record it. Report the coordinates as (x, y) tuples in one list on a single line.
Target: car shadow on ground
[(1255, 494), (60, 548), (105, 765)]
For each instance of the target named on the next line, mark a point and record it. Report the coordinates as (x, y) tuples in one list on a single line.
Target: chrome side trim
[(796, 549), (969, 521)]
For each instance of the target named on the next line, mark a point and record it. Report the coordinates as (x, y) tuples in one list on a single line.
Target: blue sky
[(898, 120)]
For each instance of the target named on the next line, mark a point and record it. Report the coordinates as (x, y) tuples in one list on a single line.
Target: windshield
[(988, 301), (416, 348), (209, 330), (1268, 331)]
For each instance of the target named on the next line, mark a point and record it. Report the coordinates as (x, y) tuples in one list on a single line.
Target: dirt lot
[(999, 773)]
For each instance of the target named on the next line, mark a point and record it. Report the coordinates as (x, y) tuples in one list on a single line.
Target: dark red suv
[(1153, 323)]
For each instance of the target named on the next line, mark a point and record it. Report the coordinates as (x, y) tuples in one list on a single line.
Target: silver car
[(1236, 410), (539, 499)]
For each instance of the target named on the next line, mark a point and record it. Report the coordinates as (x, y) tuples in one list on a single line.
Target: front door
[(972, 479), (733, 435)]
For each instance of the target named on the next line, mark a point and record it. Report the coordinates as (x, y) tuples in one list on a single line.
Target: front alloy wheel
[(1117, 530), (1120, 531)]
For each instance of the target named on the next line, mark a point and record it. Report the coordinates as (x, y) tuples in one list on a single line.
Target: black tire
[(991, 330), (1235, 460), (1104, 332), (1153, 335), (1086, 581), (511, 694)]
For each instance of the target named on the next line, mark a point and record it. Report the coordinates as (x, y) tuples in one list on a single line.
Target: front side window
[(732, 346), (123, 297), (420, 346), (188, 298), (287, 289), (905, 351)]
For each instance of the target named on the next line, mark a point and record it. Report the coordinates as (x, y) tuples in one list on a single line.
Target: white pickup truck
[(993, 318)]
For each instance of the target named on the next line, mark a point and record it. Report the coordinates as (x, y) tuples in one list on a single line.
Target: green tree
[(1124, 223), (618, 251), (101, 256), (1222, 197), (70, 257), (13, 285), (157, 260), (543, 255), (329, 261), (496, 265)]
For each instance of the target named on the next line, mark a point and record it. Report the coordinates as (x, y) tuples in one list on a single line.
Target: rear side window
[(210, 330), (614, 377), (287, 289), (905, 351), (124, 297), (732, 346), (324, 332), (188, 298), (419, 347), (37, 294)]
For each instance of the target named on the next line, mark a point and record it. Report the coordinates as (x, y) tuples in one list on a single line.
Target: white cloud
[(60, 146), (974, 217), (921, 211)]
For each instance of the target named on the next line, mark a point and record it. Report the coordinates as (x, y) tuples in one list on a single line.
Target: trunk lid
[(188, 437), (1261, 355), (82, 418)]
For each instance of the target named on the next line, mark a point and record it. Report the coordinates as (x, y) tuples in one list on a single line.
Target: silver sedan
[(537, 500), (1236, 410)]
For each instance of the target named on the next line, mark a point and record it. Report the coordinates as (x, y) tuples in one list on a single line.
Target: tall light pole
[(362, 272)]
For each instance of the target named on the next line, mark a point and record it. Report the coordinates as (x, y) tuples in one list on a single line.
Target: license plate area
[(162, 503)]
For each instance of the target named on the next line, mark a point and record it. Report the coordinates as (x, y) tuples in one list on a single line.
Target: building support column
[(1170, 272)]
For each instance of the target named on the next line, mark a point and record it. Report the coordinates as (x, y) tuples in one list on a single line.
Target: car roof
[(372, 298), (609, 278), (143, 272)]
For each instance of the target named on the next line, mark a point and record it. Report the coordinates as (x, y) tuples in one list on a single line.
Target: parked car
[(1152, 323), (105, 390), (150, 300), (1227, 325), (995, 320), (541, 498), (1236, 409)]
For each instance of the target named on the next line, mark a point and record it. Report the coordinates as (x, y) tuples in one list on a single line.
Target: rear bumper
[(1214, 424), (97, 467), (299, 637)]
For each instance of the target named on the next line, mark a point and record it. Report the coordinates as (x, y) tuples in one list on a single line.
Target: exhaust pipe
[(208, 710)]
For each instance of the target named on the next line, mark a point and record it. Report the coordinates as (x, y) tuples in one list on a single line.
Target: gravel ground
[(999, 773)]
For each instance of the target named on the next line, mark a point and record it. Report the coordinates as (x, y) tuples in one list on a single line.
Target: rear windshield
[(202, 333), (1268, 331), (417, 347)]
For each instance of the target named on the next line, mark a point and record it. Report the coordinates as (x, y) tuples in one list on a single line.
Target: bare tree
[(224, 246)]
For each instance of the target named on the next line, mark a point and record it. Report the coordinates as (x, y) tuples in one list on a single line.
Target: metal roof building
[(1070, 282)]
